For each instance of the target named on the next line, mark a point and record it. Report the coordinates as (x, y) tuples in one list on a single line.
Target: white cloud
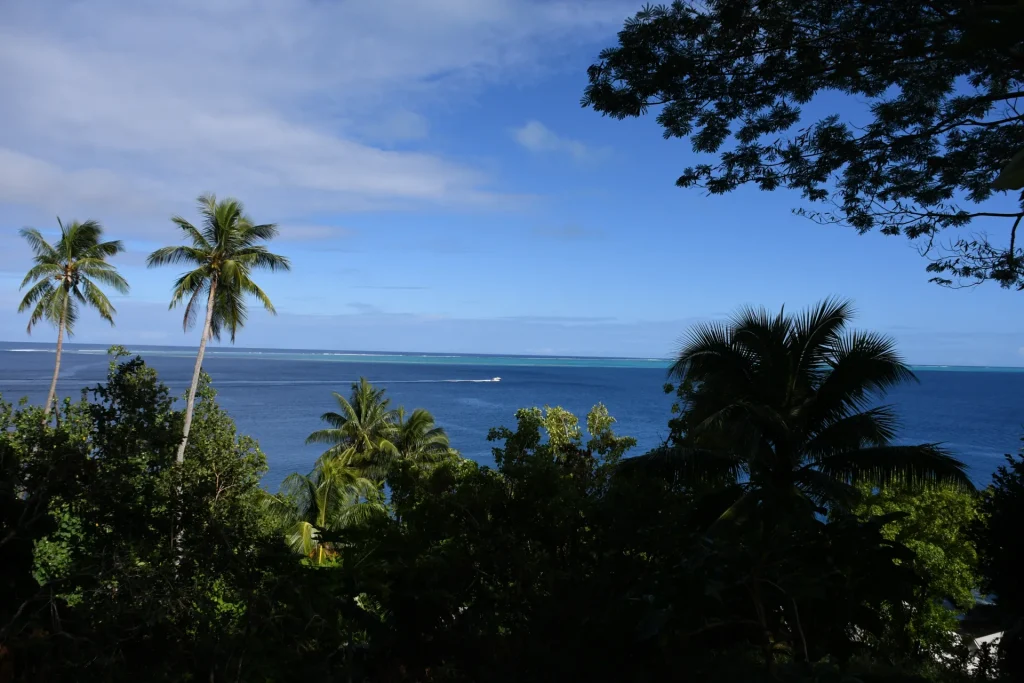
[(536, 137), (399, 126), (132, 106)]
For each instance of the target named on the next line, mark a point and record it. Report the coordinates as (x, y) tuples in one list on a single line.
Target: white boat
[(496, 379)]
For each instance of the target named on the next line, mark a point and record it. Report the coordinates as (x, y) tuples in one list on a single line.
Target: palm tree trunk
[(56, 367), (195, 374)]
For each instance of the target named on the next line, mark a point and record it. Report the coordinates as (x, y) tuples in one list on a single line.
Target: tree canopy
[(68, 274), (222, 255), (929, 139), (784, 411), (65, 275), (559, 562)]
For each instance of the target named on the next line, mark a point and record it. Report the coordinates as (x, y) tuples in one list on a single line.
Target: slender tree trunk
[(195, 373), (56, 367), (179, 535)]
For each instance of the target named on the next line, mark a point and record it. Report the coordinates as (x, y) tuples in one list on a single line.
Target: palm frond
[(195, 302), (80, 238), (95, 297), (827, 491), (40, 247), (39, 296), (229, 311), (260, 257), (863, 366), (107, 276), (282, 510), (174, 255), (302, 538), (40, 290), (904, 465), (251, 288), (199, 241), (707, 350), (326, 436), (94, 262), (264, 232), (70, 314), (816, 330), (874, 427), (102, 250), (41, 270), (361, 514), (685, 464)]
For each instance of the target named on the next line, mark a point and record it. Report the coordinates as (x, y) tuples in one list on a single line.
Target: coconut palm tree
[(333, 497), (785, 411), (361, 432), (66, 275), (222, 254), (418, 438)]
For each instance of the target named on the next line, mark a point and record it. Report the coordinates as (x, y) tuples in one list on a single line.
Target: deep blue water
[(278, 396)]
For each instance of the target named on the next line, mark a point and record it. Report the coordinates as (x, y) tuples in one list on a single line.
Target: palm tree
[(65, 275), (361, 433), (419, 439), (333, 497), (785, 411), (222, 254)]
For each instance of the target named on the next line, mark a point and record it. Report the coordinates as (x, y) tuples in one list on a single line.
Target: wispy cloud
[(538, 138), (369, 327), (399, 126), (128, 107), (365, 308)]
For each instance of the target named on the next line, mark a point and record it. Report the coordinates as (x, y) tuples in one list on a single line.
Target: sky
[(437, 184)]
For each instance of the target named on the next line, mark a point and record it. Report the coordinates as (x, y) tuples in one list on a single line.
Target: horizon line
[(461, 354)]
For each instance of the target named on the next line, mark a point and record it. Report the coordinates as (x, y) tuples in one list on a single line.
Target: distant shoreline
[(345, 355)]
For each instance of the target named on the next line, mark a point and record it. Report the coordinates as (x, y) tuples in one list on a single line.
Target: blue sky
[(437, 184)]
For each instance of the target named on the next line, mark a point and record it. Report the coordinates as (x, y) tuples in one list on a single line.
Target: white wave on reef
[(282, 382), (361, 357), (286, 382)]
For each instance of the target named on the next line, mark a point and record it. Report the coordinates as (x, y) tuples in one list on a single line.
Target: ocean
[(277, 396)]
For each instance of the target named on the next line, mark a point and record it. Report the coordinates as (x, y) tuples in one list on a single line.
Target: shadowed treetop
[(944, 81)]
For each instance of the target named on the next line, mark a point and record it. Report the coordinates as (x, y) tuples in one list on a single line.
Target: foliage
[(935, 524), (1001, 550), (104, 598), (368, 435), (554, 566), (66, 275), (333, 497), (942, 82), (223, 254), (780, 415), (562, 562)]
